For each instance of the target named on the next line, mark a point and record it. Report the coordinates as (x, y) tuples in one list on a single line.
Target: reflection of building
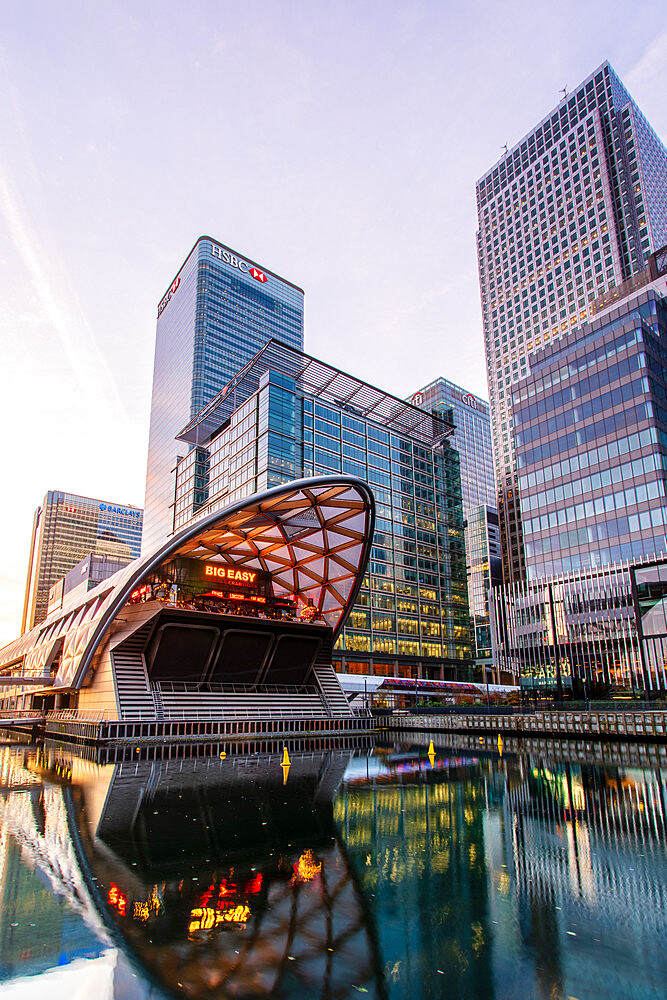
[(38, 930), (578, 633), (571, 211), (585, 851), (259, 902), (590, 433), (472, 440), (415, 839), (217, 313), (287, 414), (231, 622), (66, 528)]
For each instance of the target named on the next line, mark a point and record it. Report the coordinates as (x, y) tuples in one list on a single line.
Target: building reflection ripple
[(373, 871)]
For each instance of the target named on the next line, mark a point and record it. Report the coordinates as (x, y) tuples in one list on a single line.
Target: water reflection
[(368, 872)]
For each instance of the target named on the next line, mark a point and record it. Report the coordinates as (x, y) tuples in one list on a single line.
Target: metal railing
[(21, 713), (183, 687), (73, 715)]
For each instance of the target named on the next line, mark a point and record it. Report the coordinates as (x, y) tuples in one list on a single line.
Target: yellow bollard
[(431, 749), (285, 760)]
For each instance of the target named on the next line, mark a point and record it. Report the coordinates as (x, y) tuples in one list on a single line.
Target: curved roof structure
[(311, 537)]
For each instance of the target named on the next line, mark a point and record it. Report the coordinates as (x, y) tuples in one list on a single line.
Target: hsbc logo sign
[(238, 262), (167, 299)]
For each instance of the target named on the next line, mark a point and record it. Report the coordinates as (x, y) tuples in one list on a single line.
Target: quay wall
[(567, 725)]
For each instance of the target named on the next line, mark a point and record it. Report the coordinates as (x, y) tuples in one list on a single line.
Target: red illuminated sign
[(258, 275)]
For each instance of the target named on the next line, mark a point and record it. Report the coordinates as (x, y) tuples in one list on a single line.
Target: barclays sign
[(120, 510)]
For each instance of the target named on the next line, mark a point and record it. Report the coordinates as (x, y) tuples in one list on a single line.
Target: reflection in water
[(376, 873)]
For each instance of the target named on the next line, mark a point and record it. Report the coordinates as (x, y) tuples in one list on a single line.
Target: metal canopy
[(311, 536), (314, 378)]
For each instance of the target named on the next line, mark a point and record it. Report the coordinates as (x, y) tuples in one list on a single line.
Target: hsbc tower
[(217, 312)]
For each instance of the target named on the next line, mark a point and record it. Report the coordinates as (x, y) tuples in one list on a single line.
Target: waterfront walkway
[(568, 725)]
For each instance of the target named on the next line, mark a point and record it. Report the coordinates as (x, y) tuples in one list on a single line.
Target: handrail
[(21, 713), (73, 715), (183, 687)]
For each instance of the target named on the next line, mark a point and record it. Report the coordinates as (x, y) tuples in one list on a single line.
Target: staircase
[(135, 698), (332, 693)]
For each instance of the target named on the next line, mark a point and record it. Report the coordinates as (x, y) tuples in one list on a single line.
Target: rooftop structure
[(321, 381)]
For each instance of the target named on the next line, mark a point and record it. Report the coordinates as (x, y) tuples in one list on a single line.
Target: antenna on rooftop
[(563, 91), (505, 148)]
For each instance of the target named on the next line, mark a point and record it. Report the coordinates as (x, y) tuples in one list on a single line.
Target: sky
[(337, 144)]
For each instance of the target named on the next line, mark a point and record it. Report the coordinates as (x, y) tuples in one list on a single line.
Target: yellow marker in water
[(285, 761), (431, 759), (431, 749), (285, 768), (223, 755), (500, 744)]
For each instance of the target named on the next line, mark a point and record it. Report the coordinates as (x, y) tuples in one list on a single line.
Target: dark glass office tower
[(571, 211), (591, 442), (219, 310)]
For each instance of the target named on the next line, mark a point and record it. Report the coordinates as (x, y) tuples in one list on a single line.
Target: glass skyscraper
[(590, 427), (287, 415), (472, 439), (570, 212), (66, 528), (216, 314)]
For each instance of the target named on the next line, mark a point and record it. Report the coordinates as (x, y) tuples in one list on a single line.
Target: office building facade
[(590, 429), (66, 528), (218, 311), (573, 210), (287, 415), (472, 439), (595, 633)]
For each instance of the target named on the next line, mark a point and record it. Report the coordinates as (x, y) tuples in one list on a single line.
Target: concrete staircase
[(135, 698), (332, 692)]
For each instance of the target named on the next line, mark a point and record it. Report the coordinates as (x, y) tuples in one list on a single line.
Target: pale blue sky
[(335, 143)]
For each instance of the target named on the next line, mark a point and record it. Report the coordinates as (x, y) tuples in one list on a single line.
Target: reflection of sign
[(205, 918), (306, 868), (242, 577), (117, 899), (229, 258)]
